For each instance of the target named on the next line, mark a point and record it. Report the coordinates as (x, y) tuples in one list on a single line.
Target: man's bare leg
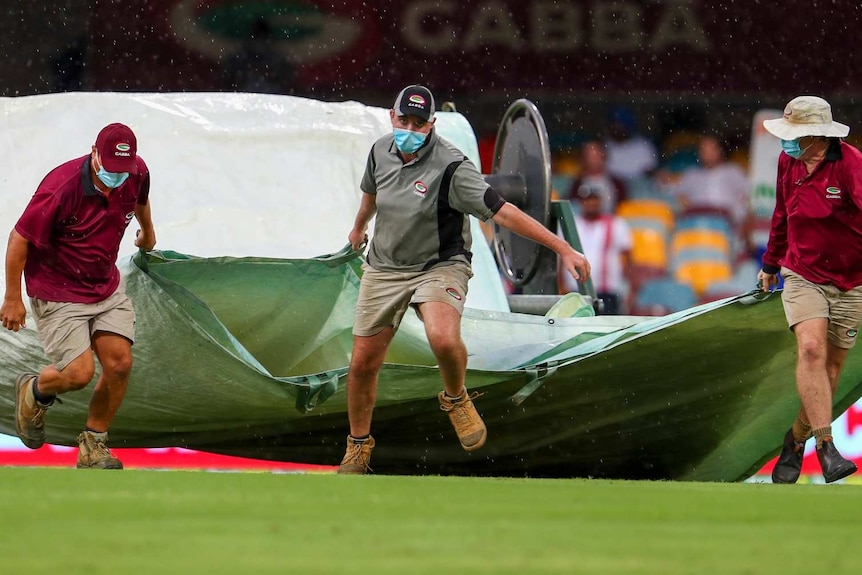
[(115, 356), (812, 379), (443, 329), (365, 363)]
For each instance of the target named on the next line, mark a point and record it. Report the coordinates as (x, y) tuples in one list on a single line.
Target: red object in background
[(163, 458), (487, 144), (853, 420)]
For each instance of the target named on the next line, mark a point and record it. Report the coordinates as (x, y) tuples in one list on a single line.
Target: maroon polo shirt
[(817, 225), (75, 231)]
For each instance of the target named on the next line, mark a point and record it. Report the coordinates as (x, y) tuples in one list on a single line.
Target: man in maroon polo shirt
[(815, 242), (66, 245)]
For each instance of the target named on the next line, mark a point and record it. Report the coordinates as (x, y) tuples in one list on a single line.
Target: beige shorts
[(66, 329), (385, 296), (804, 300)]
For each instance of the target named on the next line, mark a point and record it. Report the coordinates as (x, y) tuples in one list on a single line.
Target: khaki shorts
[(804, 300), (385, 296), (66, 329)]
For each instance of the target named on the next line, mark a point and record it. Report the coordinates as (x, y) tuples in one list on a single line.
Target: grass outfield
[(66, 521)]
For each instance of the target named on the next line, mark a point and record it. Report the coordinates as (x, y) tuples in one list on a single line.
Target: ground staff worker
[(66, 245), (422, 189), (815, 242)]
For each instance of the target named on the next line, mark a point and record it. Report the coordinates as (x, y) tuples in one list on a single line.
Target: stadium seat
[(712, 221), (663, 296), (680, 160), (639, 274), (701, 274), (744, 280), (649, 248), (700, 238), (645, 188), (698, 254), (648, 209)]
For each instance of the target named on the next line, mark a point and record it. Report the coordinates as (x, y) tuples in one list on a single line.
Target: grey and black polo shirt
[(422, 205)]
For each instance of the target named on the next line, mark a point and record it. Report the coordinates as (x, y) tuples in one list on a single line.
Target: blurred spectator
[(257, 66), (607, 242), (611, 190), (717, 185), (630, 155)]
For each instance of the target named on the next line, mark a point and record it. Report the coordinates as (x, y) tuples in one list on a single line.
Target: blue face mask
[(792, 149), (407, 141), (111, 179)]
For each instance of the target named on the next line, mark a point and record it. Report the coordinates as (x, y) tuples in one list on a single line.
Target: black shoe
[(833, 465), (789, 463)]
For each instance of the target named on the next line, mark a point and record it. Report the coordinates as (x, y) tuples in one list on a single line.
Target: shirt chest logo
[(833, 193), (419, 188)]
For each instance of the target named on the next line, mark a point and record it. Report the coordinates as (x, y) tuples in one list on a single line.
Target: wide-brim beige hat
[(806, 116)]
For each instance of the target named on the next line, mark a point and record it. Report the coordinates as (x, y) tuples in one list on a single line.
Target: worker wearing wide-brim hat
[(815, 242)]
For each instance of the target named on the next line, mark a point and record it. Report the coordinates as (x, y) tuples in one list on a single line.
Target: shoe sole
[(476, 445), (841, 473), (80, 466), (780, 482), (31, 443)]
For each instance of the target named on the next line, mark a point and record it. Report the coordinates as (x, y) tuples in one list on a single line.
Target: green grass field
[(66, 521)]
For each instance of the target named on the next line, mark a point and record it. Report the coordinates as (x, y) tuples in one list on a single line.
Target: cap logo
[(417, 99), (123, 147)]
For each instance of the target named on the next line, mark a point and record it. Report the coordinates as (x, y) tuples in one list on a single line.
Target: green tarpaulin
[(248, 356)]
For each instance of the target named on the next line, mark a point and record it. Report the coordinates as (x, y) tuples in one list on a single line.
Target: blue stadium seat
[(704, 221), (663, 296)]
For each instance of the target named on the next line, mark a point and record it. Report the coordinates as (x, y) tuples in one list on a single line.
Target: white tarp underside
[(232, 174)]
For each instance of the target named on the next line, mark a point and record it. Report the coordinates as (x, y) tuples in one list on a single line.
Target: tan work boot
[(465, 419), (94, 454), (29, 413), (357, 458)]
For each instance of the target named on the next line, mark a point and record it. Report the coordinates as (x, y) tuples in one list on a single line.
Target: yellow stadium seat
[(700, 238), (700, 274), (649, 248), (645, 208)]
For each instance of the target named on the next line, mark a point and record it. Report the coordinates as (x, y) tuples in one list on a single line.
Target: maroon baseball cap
[(118, 149)]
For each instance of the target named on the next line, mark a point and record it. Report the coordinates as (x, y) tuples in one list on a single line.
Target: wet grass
[(150, 522)]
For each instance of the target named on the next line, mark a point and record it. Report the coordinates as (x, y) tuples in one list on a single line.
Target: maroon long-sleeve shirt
[(817, 223)]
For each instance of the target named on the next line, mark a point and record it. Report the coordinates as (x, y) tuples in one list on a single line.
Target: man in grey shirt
[(422, 190)]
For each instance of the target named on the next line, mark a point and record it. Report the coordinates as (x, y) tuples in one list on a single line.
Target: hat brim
[(424, 115), (783, 129), (115, 166)]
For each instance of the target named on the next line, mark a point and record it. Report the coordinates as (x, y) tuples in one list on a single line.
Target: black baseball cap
[(415, 100)]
